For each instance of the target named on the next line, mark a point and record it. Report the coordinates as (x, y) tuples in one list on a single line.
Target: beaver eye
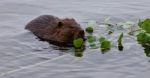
[(60, 24)]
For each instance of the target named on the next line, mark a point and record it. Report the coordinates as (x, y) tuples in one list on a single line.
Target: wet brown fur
[(57, 31)]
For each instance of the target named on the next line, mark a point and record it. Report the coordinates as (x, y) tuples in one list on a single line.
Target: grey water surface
[(24, 56)]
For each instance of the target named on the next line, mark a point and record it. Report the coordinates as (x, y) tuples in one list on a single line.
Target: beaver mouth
[(79, 34), (67, 38)]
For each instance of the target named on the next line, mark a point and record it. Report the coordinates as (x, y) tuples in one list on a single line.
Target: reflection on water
[(147, 50), (120, 48), (78, 53)]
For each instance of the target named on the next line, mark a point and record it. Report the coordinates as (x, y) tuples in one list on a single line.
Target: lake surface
[(24, 56)]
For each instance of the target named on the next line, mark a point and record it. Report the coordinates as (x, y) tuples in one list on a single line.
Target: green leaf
[(101, 39), (89, 29), (143, 38), (78, 43), (145, 25), (120, 39), (140, 23), (90, 26), (105, 45), (120, 46), (91, 39)]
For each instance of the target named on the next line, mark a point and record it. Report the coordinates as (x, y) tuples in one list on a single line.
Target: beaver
[(60, 32)]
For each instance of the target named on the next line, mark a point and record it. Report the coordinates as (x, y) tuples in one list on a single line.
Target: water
[(23, 56)]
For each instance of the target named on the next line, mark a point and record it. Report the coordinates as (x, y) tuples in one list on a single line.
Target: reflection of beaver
[(57, 31)]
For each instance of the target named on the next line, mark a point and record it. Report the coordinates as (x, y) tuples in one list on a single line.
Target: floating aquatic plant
[(78, 43), (143, 37), (93, 46), (140, 23), (92, 41), (89, 29), (90, 26), (101, 39), (105, 44), (91, 38), (145, 25), (120, 46)]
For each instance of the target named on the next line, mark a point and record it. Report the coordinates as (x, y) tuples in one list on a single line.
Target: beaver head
[(54, 30), (67, 30)]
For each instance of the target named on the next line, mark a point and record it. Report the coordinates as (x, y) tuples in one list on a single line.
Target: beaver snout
[(79, 34)]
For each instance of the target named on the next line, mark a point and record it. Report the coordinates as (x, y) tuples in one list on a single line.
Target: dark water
[(23, 56)]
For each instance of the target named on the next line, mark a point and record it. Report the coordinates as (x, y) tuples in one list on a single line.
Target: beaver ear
[(60, 24)]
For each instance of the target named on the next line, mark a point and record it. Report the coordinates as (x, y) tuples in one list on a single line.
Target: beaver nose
[(81, 34)]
